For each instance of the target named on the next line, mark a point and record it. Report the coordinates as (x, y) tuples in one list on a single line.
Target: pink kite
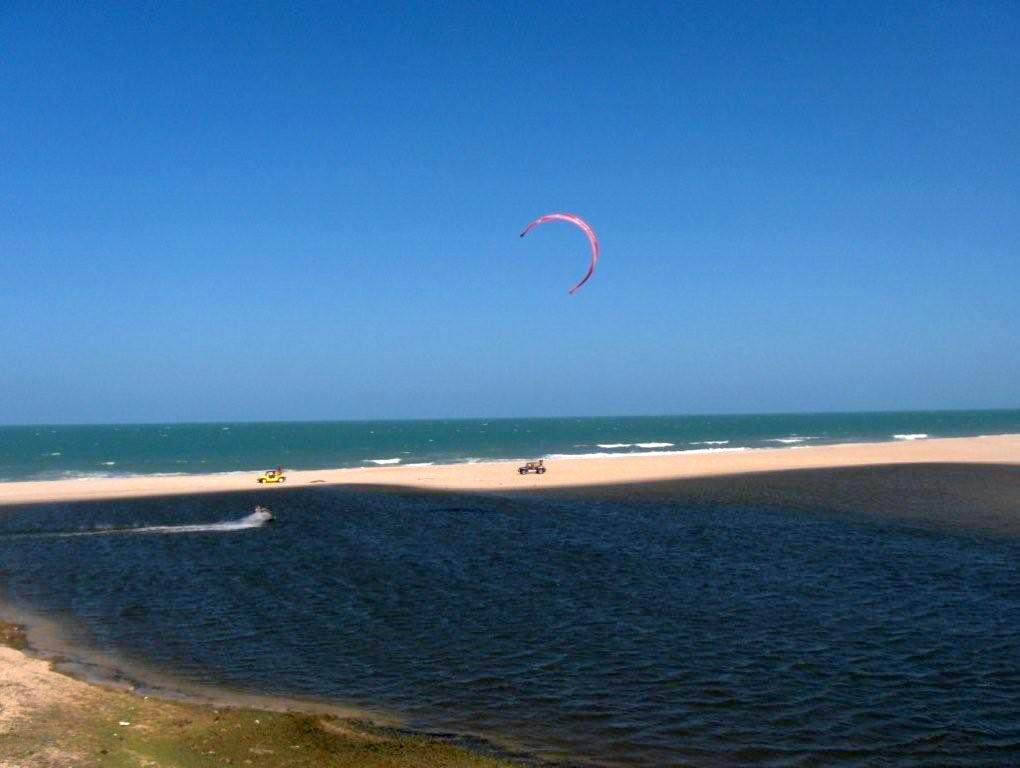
[(584, 225)]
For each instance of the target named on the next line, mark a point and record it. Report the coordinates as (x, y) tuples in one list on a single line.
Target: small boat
[(268, 516)]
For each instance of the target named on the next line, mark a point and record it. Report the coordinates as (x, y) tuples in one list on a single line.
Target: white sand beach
[(503, 476)]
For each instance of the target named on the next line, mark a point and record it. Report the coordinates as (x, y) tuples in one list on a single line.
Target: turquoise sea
[(54, 452)]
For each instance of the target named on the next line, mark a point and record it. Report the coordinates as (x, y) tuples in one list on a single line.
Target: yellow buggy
[(272, 476)]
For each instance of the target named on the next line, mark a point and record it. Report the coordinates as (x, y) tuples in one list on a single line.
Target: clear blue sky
[(215, 212)]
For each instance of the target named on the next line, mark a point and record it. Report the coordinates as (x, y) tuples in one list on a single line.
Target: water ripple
[(602, 633)]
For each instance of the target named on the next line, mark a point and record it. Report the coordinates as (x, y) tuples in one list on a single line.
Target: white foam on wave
[(109, 463), (919, 436), (711, 442), (635, 445), (104, 475), (606, 455), (381, 462), (791, 440)]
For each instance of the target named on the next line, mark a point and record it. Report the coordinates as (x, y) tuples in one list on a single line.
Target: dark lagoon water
[(630, 630)]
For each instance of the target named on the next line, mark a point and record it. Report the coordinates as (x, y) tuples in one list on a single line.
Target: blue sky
[(214, 212)]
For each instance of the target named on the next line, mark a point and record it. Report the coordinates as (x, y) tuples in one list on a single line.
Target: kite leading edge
[(593, 239)]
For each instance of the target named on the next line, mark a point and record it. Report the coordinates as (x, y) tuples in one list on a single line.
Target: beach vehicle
[(538, 467), (272, 476)]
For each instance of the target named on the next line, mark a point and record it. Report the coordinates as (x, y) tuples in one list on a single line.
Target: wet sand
[(565, 473)]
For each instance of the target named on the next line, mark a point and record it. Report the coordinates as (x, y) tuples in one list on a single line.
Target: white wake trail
[(256, 519)]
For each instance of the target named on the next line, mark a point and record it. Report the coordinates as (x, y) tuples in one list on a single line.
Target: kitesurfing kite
[(585, 227)]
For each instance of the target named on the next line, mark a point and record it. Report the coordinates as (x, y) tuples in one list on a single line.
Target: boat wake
[(256, 519)]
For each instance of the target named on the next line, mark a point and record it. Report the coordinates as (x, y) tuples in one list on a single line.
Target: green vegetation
[(94, 726)]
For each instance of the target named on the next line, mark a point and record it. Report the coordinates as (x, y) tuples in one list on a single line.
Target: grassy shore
[(50, 720)]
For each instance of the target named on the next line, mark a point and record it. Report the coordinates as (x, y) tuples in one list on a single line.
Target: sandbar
[(502, 476)]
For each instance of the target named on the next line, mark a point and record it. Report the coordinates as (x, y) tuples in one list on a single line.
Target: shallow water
[(625, 632)]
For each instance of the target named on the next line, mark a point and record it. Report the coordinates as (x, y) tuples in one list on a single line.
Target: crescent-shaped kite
[(585, 227)]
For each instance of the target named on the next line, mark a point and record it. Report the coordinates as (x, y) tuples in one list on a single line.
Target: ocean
[(704, 623), (56, 452)]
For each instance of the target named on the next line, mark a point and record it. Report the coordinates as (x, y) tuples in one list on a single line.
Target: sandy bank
[(502, 476), (50, 720)]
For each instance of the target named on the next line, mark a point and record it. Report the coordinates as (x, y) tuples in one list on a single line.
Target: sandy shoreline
[(502, 476), (49, 720)]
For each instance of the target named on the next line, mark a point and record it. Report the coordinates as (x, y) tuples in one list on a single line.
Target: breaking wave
[(920, 436), (635, 445), (631, 454)]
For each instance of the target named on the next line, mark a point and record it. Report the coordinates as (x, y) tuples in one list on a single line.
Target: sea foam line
[(918, 436), (635, 445), (607, 455)]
